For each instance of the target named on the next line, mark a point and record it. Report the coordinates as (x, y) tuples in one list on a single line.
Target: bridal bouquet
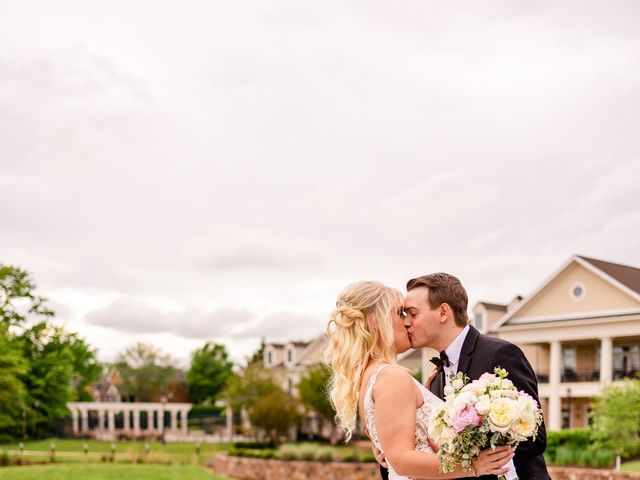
[(487, 412)]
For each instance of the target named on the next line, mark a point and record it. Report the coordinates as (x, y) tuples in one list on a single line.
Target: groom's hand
[(379, 456)]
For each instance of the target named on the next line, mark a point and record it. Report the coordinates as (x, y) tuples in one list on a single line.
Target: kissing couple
[(373, 323)]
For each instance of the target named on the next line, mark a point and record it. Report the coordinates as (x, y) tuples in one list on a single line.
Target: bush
[(255, 445), (368, 458), (585, 458), (350, 457), (306, 452), (4, 459), (565, 456), (324, 455), (287, 453), (576, 438), (603, 458)]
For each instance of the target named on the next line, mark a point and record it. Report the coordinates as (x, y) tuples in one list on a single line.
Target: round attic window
[(577, 291)]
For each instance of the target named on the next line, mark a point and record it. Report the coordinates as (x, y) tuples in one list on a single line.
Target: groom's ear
[(445, 312)]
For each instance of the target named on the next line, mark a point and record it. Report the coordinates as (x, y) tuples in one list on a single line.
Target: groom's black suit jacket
[(481, 354)]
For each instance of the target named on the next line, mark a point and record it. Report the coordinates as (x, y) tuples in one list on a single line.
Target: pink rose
[(468, 416)]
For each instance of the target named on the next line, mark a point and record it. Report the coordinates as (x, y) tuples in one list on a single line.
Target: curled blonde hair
[(360, 329)]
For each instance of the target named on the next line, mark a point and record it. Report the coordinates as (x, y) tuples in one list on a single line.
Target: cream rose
[(457, 383), (483, 405), (502, 413)]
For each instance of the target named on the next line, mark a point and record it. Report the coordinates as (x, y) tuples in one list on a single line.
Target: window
[(289, 386), (478, 320), (577, 291), (290, 356), (570, 364), (269, 357)]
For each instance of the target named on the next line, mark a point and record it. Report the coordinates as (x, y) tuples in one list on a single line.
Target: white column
[(150, 421), (173, 426), (126, 412), (136, 422), (184, 422), (606, 359), (100, 421), (229, 415), (112, 421), (84, 415), (555, 401), (74, 420)]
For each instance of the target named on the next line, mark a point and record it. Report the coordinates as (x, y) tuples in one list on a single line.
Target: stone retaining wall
[(242, 468)]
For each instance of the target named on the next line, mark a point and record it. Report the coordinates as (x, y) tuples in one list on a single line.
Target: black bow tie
[(441, 361)]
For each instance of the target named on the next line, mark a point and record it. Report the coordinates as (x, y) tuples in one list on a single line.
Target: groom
[(436, 307)]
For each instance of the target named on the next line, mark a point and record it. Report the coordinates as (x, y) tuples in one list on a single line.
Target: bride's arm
[(395, 396)]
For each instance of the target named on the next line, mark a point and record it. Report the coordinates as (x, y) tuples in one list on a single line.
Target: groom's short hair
[(444, 288)]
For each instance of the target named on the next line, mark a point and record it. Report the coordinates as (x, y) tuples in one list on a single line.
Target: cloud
[(131, 315)]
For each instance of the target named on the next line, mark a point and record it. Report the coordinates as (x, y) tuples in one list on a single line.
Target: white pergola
[(106, 412)]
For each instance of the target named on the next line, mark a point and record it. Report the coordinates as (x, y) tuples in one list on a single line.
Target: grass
[(71, 451), (631, 466), (106, 472)]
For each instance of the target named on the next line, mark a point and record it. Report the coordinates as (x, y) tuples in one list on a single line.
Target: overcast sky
[(176, 172)]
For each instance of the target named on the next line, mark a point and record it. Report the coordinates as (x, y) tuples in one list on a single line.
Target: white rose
[(448, 390), (457, 383), (489, 379), (506, 384), (483, 405), (526, 408), (524, 428), (446, 436)]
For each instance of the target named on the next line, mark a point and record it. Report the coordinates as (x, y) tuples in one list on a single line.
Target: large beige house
[(580, 329)]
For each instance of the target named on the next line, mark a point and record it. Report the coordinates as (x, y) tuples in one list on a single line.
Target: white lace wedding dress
[(422, 418)]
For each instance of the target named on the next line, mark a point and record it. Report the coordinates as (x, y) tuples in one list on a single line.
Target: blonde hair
[(360, 329)]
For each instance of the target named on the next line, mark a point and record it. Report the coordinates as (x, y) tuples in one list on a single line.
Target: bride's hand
[(427, 382), (492, 461)]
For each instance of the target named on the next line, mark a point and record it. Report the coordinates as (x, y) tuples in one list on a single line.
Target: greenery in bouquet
[(487, 412)]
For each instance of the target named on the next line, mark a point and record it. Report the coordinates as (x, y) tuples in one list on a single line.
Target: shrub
[(255, 445), (324, 455), (350, 457), (604, 458), (4, 459), (576, 438), (565, 456), (585, 458), (306, 452), (368, 458), (287, 453)]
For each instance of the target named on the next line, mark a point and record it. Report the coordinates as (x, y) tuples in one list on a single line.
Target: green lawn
[(106, 472), (631, 466), (126, 451)]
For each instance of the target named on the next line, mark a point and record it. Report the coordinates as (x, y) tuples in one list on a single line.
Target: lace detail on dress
[(422, 418)]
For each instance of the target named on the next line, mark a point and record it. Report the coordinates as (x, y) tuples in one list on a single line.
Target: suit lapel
[(468, 348)]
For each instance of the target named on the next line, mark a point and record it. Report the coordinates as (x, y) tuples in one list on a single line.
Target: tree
[(12, 391), (275, 414), (209, 372), (313, 391), (18, 302), (37, 360), (246, 389), (146, 372), (616, 418)]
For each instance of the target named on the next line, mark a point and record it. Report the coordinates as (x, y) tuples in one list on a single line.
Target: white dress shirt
[(453, 352)]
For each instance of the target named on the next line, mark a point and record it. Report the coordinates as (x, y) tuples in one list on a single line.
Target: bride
[(366, 332)]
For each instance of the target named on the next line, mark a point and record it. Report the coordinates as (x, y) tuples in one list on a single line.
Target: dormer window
[(289, 355)]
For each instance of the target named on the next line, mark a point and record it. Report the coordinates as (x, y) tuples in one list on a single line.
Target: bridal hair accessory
[(345, 303)]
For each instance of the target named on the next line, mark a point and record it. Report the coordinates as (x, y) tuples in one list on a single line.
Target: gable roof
[(493, 306), (626, 275), (623, 277)]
